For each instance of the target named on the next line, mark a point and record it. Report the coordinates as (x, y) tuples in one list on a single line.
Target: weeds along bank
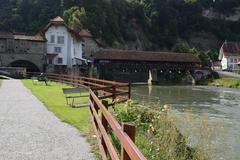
[(158, 136), (226, 82)]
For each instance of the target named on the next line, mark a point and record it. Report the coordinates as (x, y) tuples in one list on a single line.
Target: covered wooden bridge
[(139, 66)]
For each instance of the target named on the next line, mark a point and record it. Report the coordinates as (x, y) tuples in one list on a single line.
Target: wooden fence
[(102, 119), (118, 92), (125, 134)]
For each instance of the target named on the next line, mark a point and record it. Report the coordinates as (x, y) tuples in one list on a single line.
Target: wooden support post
[(72, 81), (129, 90), (96, 108), (105, 125), (130, 130)]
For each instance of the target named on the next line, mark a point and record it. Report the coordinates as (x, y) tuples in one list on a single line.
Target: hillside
[(133, 24)]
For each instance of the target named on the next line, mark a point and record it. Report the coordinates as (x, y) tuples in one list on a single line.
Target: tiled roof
[(4, 34), (231, 48), (113, 54), (85, 33), (57, 19), (29, 38)]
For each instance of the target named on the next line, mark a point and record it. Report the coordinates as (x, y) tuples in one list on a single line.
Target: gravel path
[(28, 131)]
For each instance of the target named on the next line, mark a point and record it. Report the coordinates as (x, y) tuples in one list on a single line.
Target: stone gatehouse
[(22, 51)]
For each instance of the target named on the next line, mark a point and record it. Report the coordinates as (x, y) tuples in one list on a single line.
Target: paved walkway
[(28, 131), (224, 74)]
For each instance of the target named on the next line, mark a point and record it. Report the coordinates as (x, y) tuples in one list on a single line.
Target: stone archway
[(31, 67)]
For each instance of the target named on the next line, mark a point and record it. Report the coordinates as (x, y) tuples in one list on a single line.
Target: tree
[(75, 17)]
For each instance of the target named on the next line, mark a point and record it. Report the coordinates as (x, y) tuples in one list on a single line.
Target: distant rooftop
[(128, 55), (231, 48)]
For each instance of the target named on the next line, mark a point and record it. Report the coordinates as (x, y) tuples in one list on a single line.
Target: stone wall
[(22, 52)]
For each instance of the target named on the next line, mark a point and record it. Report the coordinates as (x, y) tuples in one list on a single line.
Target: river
[(219, 104)]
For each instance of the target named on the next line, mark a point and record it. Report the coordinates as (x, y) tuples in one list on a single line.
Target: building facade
[(89, 44), (229, 55), (22, 51), (64, 47)]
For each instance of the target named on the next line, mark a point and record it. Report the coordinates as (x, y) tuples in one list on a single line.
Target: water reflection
[(220, 103)]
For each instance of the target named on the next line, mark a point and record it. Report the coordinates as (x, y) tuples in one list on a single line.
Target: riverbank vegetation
[(226, 82), (158, 136)]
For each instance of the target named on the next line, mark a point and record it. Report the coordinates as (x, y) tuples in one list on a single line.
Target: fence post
[(114, 93), (105, 125), (96, 108), (130, 130)]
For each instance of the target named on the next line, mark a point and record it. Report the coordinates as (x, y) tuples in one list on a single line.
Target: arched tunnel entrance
[(31, 67)]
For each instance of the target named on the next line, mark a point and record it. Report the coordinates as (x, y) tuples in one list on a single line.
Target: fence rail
[(118, 92), (124, 133), (102, 119)]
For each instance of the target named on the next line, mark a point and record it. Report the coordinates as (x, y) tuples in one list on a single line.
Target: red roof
[(231, 48), (58, 21), (127, 55)]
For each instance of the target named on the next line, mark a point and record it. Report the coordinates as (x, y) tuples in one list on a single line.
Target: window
[(57, 49), (50, 61), (231, 60), (52, 39), (235, 60), (60, 60), (60, 39)]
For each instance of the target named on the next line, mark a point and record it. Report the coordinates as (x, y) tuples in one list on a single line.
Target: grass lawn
[(0, 82), (227, 82), (54, 99)]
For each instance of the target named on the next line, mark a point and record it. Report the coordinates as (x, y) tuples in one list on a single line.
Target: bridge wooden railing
[(102, 119)]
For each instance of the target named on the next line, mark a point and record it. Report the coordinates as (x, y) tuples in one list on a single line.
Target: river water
[(219, 104)]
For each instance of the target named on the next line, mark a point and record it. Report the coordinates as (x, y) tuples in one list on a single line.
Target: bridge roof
[(129, 55)]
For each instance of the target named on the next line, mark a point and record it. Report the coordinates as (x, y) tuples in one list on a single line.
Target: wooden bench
[(72, 94), (36, 81)]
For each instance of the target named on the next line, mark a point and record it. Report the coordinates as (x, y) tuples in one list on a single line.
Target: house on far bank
[(89, 44), (64, 48), (229, 55)]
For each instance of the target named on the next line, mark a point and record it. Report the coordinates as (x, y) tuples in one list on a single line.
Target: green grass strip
[(53, 98), (227, 82)]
